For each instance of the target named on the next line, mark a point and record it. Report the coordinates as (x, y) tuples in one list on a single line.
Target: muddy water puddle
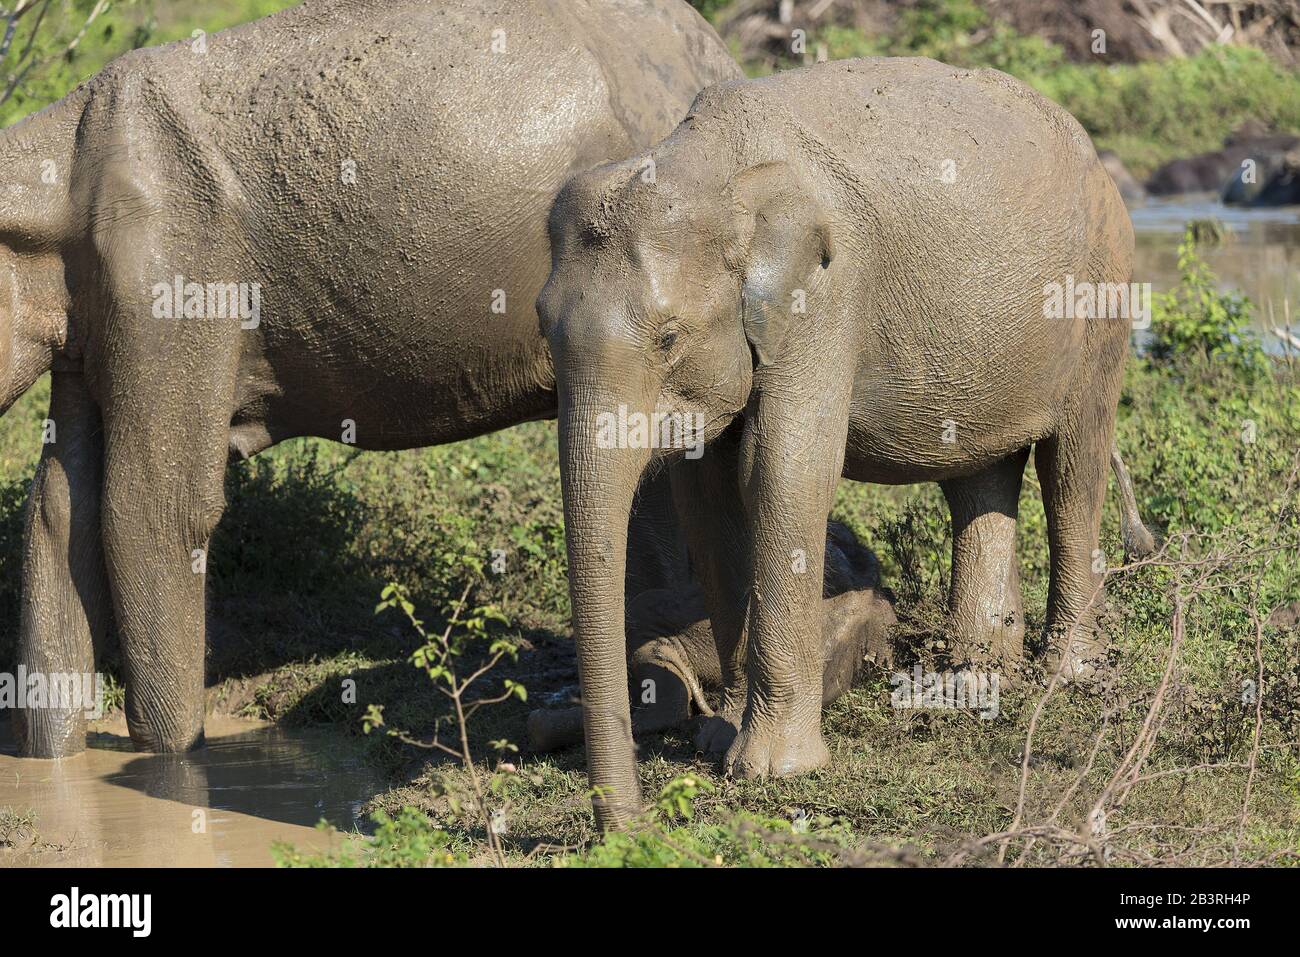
[(220, 806)]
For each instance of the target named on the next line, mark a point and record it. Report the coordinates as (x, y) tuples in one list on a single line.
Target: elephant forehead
[(679, 275), (630, 198)]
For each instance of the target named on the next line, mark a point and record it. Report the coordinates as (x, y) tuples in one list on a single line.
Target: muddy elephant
[(826, 276), (330, 222)]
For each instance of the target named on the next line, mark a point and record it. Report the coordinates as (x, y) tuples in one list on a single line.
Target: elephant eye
[(667, 341)]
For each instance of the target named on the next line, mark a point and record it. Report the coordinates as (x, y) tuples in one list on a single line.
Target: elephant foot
[(617, 804), (996, 641), (758, 753), (1078, 657), (49, 734), (986, 619), (153, 737)]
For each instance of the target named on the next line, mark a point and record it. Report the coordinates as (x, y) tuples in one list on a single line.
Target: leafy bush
[(1197, 318), (1158, 110)]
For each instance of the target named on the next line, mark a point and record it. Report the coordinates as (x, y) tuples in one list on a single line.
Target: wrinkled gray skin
[(234, 165), (923, 318), (674, 672), (1130, 190)]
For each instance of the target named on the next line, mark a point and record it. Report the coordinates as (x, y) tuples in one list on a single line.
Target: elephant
[(1274, 182), (673, 664), (329, 222), (1130, 190), (828, 275), (1218, 170)]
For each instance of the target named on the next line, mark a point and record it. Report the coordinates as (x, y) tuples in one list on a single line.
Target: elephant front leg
[(791, 459), (705, 491), (166, 401), (986, 616), (65, 599), (158, 515)]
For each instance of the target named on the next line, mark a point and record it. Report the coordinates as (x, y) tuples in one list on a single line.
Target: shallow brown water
[(220, 806)]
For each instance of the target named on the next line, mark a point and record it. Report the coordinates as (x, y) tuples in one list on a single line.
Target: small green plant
[(114, 694), (1198, 319), (437, 656), (919, 541), (677, 799), (408, 840)]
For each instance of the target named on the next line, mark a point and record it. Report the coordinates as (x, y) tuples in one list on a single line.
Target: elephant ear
[(784, 237)]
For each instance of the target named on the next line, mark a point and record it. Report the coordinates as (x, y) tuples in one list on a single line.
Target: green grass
[(125, 25)]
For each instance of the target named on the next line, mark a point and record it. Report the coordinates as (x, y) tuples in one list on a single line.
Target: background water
[(1260, 257)]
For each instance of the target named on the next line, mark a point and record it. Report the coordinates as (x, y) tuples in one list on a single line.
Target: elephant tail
[(1139, 541)]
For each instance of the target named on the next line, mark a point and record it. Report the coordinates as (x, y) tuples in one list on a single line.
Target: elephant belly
[(901, 447), (436, 379)]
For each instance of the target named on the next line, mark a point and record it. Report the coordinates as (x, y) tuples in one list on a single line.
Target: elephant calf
[(842, 270), (673, 667)]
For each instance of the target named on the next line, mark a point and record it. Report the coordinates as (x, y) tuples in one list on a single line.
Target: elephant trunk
[(600, 475)]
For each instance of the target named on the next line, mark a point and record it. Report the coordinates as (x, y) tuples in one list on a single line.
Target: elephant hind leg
[(65, 598), (985, 611), (1072, 468)]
